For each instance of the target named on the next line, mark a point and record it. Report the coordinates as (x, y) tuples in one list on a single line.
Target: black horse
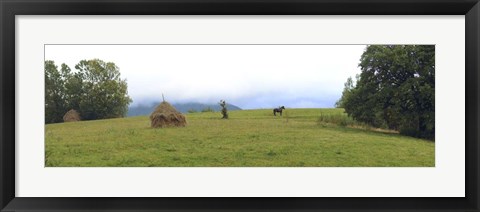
[(278, 110)]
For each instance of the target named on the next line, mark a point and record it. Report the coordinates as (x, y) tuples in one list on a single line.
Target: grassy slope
[(248, 138)]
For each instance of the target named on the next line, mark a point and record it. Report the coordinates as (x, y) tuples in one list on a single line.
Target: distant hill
[(143, 110)]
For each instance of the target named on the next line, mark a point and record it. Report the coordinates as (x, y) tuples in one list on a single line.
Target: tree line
[(95, 90), (395, 89)]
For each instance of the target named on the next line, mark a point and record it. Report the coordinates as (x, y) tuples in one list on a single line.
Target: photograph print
[(239, 105)]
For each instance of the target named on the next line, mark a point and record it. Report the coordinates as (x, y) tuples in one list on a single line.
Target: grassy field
[(250, 138)]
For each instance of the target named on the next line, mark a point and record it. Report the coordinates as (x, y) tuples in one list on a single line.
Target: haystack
[(71, 115), (165, 115)]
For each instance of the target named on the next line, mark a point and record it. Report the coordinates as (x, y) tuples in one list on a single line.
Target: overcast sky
[(249, 76)]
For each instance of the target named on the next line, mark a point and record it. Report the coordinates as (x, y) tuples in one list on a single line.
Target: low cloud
[(249, 76)]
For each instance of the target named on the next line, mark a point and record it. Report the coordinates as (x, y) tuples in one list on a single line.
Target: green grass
[(249, 138)]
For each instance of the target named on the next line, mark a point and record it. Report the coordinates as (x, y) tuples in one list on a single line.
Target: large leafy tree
[(396, 89), (345, 94), (95, 90), (55, 106), (104, 93), (73, 88)]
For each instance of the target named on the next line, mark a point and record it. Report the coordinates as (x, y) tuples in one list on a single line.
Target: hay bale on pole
[(165, 115), (71, 116)]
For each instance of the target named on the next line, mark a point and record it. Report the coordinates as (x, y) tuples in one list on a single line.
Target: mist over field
[(248, 76), (258, 102)]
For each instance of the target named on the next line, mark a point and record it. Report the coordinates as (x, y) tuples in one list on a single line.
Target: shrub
[(208, 109), (339, 119), (415, 132)]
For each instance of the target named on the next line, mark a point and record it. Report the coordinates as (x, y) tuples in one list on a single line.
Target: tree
[(103, 93), (396, 89), (95, 90), (73, 88), (223, 104), (54, 93), (345, 93)]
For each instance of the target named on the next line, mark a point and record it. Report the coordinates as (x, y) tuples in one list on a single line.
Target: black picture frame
[(10, 8)]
